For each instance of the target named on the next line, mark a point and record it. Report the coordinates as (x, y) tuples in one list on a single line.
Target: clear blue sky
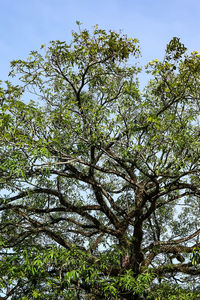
[(26, 24)]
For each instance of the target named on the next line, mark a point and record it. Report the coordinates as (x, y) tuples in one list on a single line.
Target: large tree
[(100, 182)]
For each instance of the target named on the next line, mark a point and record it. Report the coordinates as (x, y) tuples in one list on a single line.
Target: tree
[(100, 181)]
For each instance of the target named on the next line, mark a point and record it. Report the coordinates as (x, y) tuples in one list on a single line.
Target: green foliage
[(195, 257), (100, 180), (174, 291)]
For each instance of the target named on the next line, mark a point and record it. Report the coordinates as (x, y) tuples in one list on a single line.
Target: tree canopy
[(100, 180)]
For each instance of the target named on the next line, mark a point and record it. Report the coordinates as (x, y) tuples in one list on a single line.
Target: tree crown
[(100, 181)]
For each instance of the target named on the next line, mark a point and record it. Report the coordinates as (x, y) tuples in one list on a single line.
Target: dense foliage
[(100, 182)]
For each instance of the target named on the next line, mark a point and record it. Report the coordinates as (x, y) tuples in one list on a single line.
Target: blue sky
[(26, 24)]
